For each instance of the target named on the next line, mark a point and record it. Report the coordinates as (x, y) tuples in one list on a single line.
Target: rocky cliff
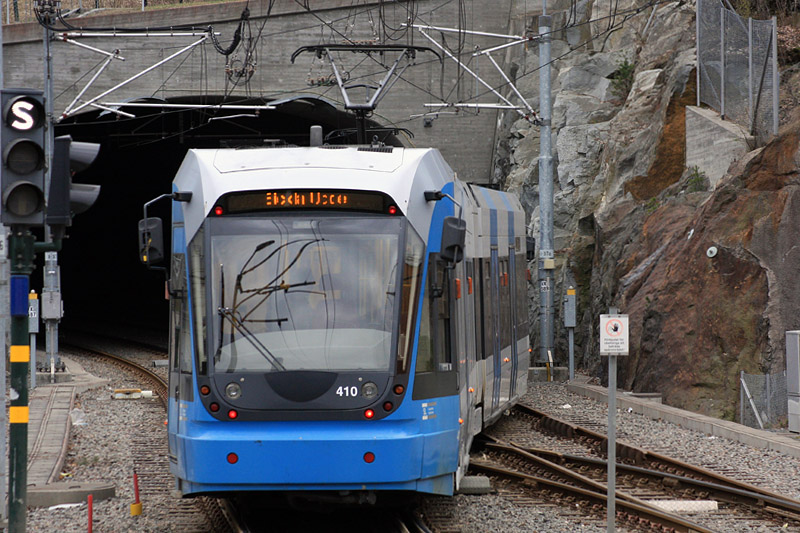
[(635, 229)]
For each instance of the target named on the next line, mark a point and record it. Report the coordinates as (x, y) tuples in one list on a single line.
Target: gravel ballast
[(101, 450)]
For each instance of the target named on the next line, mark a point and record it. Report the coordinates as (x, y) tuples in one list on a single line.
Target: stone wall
[(712, 143)]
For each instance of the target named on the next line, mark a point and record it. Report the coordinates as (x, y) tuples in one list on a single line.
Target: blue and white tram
[(342, 319)]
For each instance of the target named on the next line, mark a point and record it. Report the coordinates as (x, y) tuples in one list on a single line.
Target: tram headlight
[(233, 391), (369, 390)]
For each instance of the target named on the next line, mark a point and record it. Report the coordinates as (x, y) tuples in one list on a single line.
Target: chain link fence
[(737, 70), (763, 400), (15, 11)]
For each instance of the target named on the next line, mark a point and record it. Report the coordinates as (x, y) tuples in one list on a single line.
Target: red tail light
[(233, 414), (233, 458), (369, 457), (369, 413), (214, 407)]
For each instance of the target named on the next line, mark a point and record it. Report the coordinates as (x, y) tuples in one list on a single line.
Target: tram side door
[(473, 357), (463, 360)]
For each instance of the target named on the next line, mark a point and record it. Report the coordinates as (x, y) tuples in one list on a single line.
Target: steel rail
[(218, 511), (670, 466), (627, 510)]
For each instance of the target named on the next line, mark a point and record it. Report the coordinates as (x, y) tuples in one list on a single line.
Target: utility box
[(793, 379), (570, 309), (52, 307)]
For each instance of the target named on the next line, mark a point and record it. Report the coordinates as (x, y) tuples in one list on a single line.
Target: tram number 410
[(347, 391)]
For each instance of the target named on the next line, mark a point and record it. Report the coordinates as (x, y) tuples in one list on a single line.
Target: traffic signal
[(23, 138), (66, 198)]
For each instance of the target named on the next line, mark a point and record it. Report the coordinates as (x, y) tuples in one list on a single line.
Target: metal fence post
[(741, 397), (769, 398), (722, 62), (697, 48), (750, 110), (775, 76)]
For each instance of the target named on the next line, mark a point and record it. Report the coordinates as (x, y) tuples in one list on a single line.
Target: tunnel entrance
[(103, 282)]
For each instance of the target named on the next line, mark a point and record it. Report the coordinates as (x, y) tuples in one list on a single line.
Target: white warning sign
[(613, 334)]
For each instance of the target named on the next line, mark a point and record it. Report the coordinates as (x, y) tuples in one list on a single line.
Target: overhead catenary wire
[(614, 23)]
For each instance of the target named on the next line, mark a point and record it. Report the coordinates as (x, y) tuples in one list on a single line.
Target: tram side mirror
[(454, 234), (530, 248), (151, 241)]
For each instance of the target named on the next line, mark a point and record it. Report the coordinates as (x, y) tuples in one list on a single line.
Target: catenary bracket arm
[(137, 76), (478, 78)]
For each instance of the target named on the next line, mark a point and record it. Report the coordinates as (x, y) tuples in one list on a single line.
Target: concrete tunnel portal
[(103, 281)]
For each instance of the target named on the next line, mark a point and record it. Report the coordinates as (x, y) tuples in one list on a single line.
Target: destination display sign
[(305, 199)]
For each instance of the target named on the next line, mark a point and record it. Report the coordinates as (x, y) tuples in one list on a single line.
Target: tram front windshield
[(295, 293)]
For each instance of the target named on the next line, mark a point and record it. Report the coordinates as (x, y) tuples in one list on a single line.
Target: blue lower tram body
[(319, 456)]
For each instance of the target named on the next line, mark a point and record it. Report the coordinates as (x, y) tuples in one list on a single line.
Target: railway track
[(226, 515), (151, 455), (571, 469)]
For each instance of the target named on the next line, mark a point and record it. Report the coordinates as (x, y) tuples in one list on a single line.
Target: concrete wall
[(712, 144), (465, 139)]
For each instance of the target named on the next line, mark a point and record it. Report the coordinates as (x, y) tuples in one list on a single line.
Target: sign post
[(569, 323), (33, 329), (613, 343)]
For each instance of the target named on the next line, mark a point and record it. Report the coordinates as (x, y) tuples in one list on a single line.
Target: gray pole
[(51, 309), (48, 109), (4, 312), (546, 256), (612, 440), (571, 354)]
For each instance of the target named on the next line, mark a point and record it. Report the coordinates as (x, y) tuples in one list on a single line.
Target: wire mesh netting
[(736, 61), (768, 395), (14, 11)]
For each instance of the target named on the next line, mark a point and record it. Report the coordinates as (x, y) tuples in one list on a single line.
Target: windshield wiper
[(266, 290), (251, 338)]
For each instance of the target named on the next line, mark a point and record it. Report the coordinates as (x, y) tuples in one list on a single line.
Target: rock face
[(634, 228), (710, 282)]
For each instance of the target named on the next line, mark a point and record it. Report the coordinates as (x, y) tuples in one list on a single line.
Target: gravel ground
[(100, 450), (767, 469)]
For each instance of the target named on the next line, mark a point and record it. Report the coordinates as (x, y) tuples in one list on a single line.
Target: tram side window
[(435, 375), (179, 316), (488, 310), (433, 352), (478, 293), (522, 293), (503, 311), (442, 318), (411, 286), (176, 305), (197, 277)]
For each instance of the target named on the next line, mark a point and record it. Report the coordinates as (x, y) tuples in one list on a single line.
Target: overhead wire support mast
[(530, 115), (409, 53)]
